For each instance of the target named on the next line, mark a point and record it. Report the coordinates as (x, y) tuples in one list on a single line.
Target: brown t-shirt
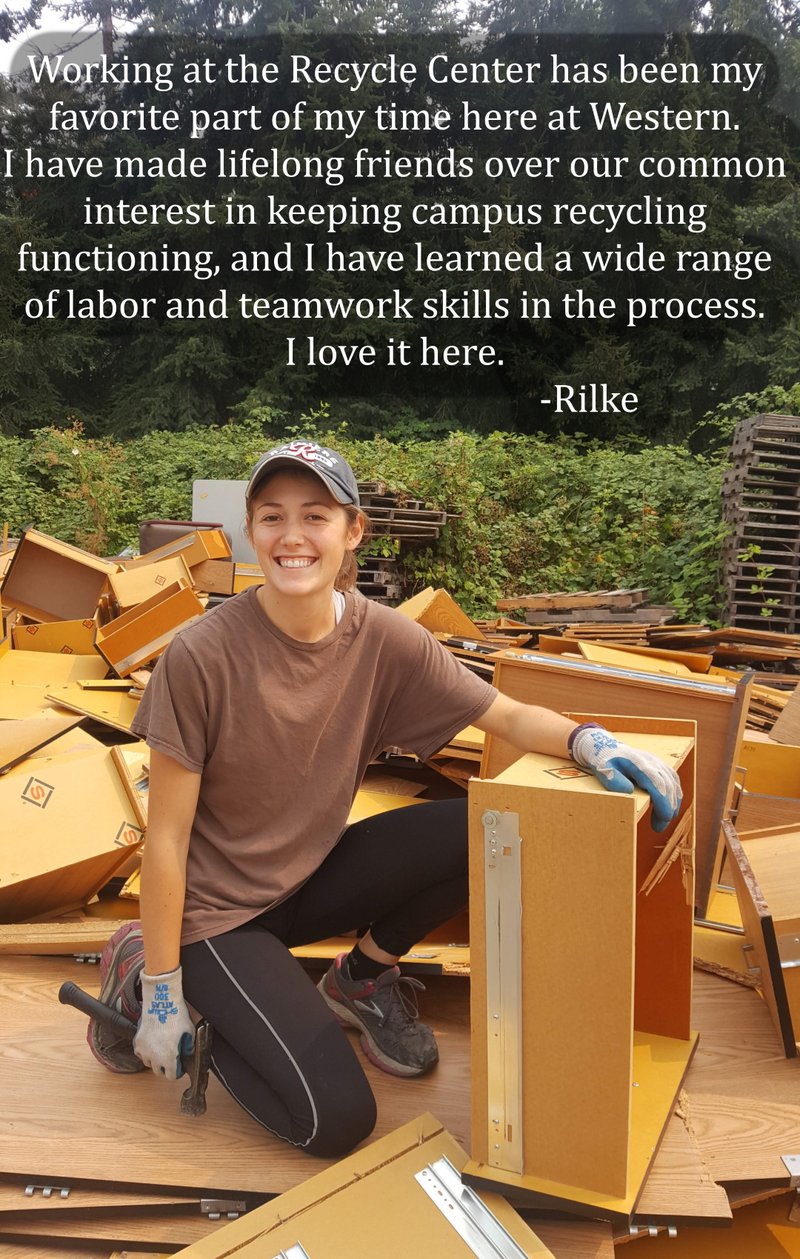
[(282, 732)]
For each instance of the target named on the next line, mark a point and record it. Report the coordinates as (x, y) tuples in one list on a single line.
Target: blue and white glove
[(620, 767), (166, 1029)]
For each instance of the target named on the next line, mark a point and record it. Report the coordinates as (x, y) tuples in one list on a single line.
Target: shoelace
[(405, 996)]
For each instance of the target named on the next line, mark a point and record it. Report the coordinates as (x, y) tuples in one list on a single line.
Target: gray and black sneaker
[(121, 963), (385, 1012)]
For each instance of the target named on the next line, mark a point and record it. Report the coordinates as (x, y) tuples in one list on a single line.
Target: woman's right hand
[(166, 1030)]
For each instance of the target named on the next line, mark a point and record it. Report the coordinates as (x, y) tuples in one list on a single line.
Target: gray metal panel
[(224, 501)]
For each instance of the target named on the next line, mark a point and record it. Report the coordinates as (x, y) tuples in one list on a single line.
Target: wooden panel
[(58, 1100), (743, 1094), (573, 1239), (19, 738), (170, 1226), (67, 637), (595, 1095), (145, 631), (772, 769), (50, 580), (372, 1200), (116, 709), (719, 713), (135, 585), (761, 928), (438, 612)]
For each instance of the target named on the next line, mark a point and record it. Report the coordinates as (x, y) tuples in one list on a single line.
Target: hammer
[(195, 1064)]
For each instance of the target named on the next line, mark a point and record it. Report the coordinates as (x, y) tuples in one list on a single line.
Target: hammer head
[(195, 1065)]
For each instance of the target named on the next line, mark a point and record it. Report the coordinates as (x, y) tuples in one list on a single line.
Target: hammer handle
[(71, 994)]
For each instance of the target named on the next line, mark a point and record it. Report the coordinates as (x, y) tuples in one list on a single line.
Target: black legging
[(278, 1049)]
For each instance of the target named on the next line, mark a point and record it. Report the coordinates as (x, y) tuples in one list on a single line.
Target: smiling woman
[(262, 718)]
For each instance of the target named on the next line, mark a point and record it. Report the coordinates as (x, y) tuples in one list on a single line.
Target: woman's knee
[(345, 1117)]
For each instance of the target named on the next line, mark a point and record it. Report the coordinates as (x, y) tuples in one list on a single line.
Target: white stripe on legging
[(283, 1046)]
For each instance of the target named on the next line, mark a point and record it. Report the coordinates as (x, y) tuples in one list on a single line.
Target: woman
[(262, 718)]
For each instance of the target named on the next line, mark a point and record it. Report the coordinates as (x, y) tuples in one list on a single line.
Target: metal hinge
[(91, 959), (466, 1212), (215, 1208), (47, 1190), (792, 1164)]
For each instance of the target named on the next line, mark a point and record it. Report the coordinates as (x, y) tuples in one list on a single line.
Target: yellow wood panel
[(67, 637), (19, 738), (438, 612), (761, 1231), (772, 769), (114, 708), (659, 1068), (369, 1205), (577, 1007), (144, 632), (599, 654), (135, 585), (47, 669), (775, 861), (68, 826)]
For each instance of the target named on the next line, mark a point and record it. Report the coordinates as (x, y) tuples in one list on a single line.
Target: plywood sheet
[(743, 1095), (58, 1099)]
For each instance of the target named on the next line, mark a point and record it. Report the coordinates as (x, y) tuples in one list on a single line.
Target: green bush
[(530, 513)]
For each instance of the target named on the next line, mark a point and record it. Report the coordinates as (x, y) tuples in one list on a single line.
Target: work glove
[(620, 767), (166, 1029)]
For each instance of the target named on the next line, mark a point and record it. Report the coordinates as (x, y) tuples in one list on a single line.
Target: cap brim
[(286, 461)]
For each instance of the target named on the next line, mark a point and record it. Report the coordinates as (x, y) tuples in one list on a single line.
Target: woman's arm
[(172, 801), (527, 727)]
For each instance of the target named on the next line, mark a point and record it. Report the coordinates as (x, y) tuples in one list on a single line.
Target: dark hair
[(346, 577)]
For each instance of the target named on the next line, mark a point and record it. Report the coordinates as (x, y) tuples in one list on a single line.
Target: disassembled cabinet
[(765, 867), (49, 580), (581, 921), (400, 1196), (719, 712)]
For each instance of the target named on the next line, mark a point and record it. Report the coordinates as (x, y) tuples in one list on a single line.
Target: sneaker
[(385, 1012), (120, 964)]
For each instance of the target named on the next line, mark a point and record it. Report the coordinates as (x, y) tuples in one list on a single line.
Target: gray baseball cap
[(331, 468)]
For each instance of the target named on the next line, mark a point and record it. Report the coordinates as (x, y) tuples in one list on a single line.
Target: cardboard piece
[(68, 826), (601, 1020), (720, 713), (49, 580), (375, 1200), (144, 632)]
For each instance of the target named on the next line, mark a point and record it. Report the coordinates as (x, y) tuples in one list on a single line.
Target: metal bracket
[(297, 1251), (789, 951), (503, 875), (47, 1190), (792, 1164), (466, 1212), (215, 1208)]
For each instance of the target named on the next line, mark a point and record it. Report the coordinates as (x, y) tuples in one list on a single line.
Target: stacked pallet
[(393, 515), (606, 609), (761, 503)]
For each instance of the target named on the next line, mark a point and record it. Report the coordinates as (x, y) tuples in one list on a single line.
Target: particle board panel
[(45, 669), (78, 935), (743, 1094), (33, 1248), (438, 612), (369, 1204), (720, 714), (135, 585)]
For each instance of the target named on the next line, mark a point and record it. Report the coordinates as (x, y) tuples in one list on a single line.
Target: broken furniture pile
[(622, 1123)]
